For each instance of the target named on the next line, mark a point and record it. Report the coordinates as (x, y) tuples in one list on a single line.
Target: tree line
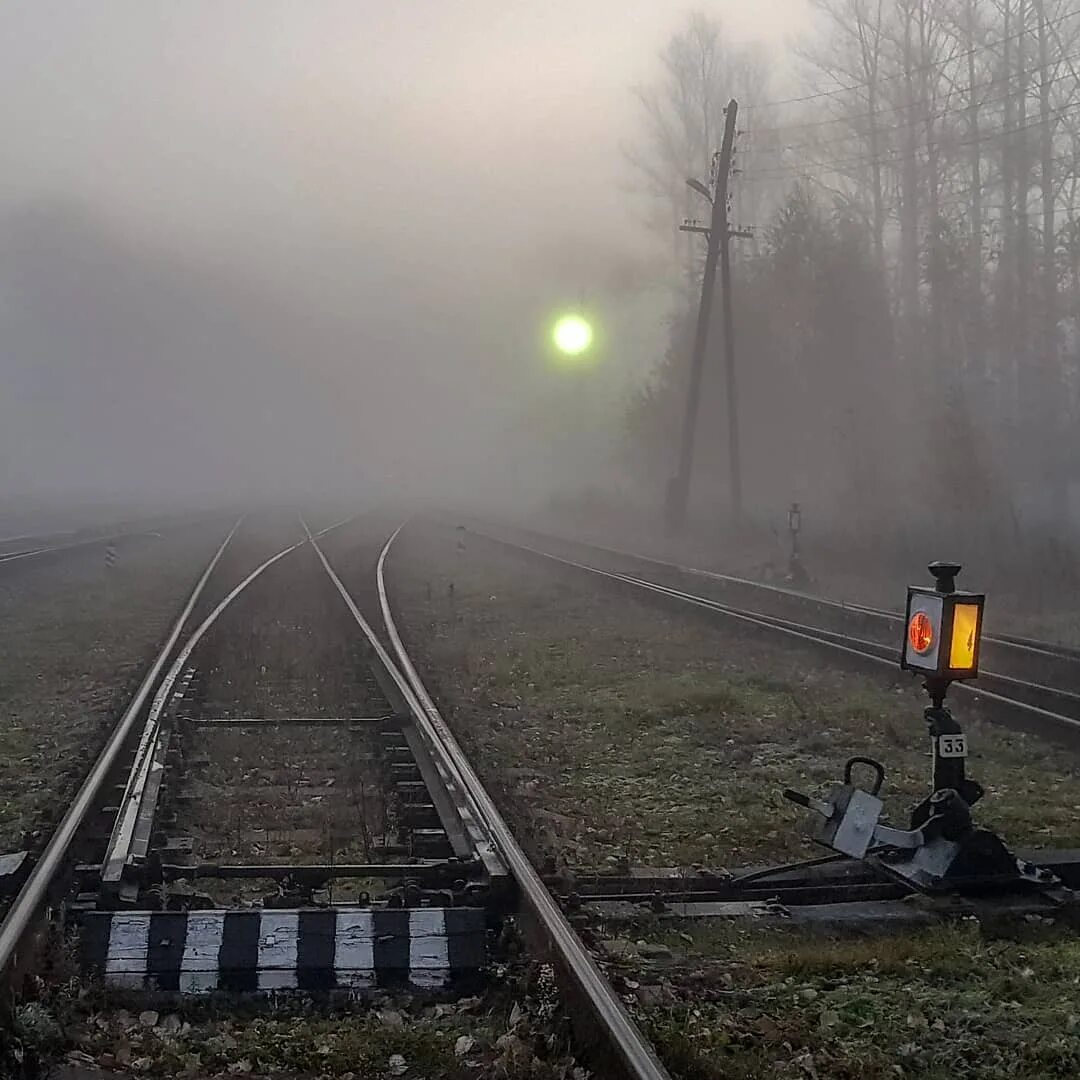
[(907, 313)]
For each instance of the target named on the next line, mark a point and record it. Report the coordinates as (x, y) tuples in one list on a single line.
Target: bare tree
[(701, 70), (946, 134)]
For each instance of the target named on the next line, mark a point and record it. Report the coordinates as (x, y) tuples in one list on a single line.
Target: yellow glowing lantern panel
[(964, 636)]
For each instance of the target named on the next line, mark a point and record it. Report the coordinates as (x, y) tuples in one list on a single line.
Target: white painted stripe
[(278, 932), (199, 965), (354, 949), (429, 954), (129, 943)]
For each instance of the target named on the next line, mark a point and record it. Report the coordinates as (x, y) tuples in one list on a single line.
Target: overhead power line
[(974, 50), (877, 113), (777, 172)]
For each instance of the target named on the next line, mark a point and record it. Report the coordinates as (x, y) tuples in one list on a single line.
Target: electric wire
[(883, 132), (972, 51), (838, 165)]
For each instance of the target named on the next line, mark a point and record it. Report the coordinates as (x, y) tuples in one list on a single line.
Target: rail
[(1016, 641), (632, 1050), (846, 643), (20, 919), (53, 549)]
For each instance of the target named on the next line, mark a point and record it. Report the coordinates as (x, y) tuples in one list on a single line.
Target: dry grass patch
[(741, 1001), (619, 731)]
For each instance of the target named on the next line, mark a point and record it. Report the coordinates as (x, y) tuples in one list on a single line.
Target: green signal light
[(572, 335)]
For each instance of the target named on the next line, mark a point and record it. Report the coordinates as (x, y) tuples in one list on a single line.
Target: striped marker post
[(264, 951)]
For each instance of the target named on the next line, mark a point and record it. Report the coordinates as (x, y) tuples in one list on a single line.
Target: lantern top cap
[(944, 574)]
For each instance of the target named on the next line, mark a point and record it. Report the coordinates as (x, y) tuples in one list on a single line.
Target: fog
[(283, 246), (298, 248)]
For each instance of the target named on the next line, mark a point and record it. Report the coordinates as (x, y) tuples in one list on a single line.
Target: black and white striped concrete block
[(264, 950)]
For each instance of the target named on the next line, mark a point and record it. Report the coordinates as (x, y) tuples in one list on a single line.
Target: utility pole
[(718, 233)]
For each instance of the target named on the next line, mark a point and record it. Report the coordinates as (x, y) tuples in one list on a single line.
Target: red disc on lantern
[(921, 632)]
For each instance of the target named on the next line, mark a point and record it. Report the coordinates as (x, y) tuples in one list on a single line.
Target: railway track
[(242, 832), (1023, 680), (317, 828), (24, 549)]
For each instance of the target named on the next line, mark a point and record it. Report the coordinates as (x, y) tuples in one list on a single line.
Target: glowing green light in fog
[(572, 335)]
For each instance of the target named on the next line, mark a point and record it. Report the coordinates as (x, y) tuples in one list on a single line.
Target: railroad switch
[(942, 850)]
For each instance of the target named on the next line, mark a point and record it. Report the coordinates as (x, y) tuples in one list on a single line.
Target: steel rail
[(815, 635), (122, 841), (1013, 641), (473, 821), (12, 556), (1025, 644), (120, 848), (30, 553), (24, 909), (635, 1054), (886, 652)]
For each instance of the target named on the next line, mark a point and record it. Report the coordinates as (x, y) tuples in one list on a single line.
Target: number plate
[(952, 746)]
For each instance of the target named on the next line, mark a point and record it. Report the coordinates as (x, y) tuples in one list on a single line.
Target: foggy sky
[(237, 237)]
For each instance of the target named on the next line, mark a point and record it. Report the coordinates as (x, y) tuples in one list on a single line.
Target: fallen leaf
[(463, 1045)]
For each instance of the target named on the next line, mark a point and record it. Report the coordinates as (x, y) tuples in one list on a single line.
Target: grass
[(508, 1032), (75, 639), (278, 793), (948, 1002), (618, 732), (612, 731)]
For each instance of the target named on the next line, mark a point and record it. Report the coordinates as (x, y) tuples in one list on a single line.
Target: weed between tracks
[(275, 794)]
